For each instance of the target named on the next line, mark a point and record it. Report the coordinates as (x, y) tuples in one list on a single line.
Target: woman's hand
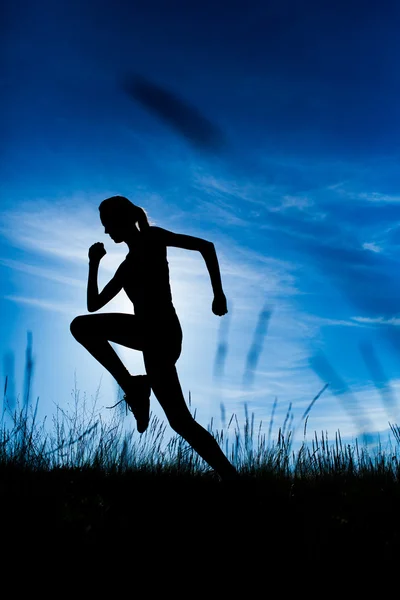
[(219, 306), (97, 251)]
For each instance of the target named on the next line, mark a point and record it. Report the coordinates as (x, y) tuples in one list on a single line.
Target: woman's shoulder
[(157, 234), (155, 231)]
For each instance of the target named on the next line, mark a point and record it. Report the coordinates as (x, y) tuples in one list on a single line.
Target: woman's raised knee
[(78, 326)]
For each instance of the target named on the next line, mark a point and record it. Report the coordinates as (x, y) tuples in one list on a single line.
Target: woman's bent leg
[(95, 332)]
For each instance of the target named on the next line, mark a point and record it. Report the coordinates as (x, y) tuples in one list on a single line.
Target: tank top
[(146, 279)]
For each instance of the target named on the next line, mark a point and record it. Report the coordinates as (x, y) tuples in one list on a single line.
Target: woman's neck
[(134, 241)]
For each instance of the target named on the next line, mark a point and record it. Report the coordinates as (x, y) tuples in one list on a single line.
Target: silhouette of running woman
[(154, 328)]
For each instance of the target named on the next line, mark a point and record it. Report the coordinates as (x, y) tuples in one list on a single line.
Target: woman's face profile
[(116, 228)]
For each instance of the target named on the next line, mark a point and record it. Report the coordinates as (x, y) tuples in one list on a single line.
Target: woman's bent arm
[(211, 260), (189, 242), (92, 288), (95, 301)]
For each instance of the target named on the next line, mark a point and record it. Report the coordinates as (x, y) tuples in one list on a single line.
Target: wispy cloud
[(346, 190), (232, 195), (42, 272), (373, 197), (220, 213), (372, 247), (221, 187), (56, 231), (326, 321), (299, 202), (378, 320), (52, 229), (53, 306)]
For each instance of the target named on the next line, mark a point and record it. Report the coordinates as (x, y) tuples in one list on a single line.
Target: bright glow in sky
[(303, 205)]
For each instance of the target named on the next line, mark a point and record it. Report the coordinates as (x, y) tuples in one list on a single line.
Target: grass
[(81, 439), (89, 481)]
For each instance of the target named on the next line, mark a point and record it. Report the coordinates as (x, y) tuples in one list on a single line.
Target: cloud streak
[(182, 117), (257, 345), (47, 305), (380, 379), (341, 390), (42, 272)]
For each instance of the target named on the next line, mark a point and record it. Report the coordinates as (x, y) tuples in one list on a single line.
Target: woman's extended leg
[(165, 384), (95, 332)]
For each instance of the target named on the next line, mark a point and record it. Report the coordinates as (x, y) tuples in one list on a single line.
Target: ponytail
[(141, 218)]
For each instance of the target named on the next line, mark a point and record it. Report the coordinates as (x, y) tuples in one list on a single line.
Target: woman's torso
[(146, 279)]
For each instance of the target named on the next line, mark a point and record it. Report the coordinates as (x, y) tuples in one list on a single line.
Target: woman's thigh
[(162, 343), (121, 328)]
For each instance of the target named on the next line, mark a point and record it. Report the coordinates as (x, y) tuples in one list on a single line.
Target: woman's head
[(121, 218)]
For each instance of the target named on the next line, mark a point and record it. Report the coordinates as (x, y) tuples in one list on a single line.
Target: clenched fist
[(97, 251), (219, 306)]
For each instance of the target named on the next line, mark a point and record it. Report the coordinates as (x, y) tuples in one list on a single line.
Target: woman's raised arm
[(95, 301)]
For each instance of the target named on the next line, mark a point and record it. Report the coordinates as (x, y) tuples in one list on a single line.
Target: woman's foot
[(230, 475), (137, 397)]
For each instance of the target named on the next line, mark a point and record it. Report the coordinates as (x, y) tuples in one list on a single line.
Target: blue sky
[(302, 204)]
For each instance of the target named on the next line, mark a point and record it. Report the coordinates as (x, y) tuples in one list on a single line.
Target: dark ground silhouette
[(261, 527)]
